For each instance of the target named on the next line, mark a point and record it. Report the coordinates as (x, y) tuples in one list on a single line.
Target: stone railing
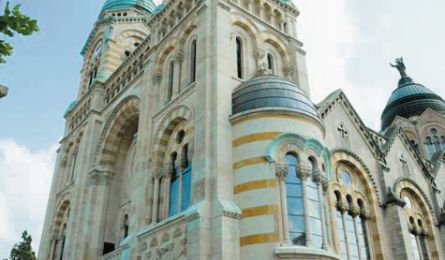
[(115, 255)]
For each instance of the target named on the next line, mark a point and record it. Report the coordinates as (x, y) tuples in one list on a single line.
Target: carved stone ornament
[(365, 212), (98, 177), (281, 170), (342, 206), (157, 77), (354, 210), (289, 71), (392, 198), (303, 171)]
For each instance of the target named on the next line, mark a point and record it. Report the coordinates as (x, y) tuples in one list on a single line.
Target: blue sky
[(349, 44), (43, 73)]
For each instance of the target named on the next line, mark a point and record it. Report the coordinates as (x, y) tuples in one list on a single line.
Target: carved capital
[(100, 177), (179, 57), (354, 210), (289, 71), (321, 179), (342, 206), (303, 172), (168, 170), (365, 213), (157, 173), (157, 77), (281, 171)]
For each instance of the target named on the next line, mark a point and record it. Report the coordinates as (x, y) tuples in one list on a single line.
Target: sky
[(349, 44)]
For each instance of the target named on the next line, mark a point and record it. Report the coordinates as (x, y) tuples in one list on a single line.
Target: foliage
[(23, 250), (13, 21)]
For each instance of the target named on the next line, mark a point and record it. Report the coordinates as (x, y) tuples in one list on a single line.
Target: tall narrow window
[(294, 197), (174, 188), (314, 202), (239, 57), (171, 78), (362, 232), (193, 62), (187, 179), (415, 247), (341, 235), (62, 246), (422, 241), (125, 226), (443, 142), (270, 62), (429, 146)]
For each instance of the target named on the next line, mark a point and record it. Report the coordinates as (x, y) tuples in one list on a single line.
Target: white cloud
[(350, 43), (25, 180)]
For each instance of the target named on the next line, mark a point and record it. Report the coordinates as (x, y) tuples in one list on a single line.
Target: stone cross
[(344, 133)]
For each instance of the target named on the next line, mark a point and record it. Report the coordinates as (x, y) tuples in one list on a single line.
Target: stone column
[(281, 171), (343, 208), (100, 182), (303, 174), (322, 181), (179, 59), (354, 210), (154, 216), (168, 172)]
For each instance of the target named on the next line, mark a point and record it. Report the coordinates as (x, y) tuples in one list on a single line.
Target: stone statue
[(400, 66)]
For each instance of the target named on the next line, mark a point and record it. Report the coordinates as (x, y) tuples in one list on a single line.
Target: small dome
[(273, 92), (144, 5), (410, 99)]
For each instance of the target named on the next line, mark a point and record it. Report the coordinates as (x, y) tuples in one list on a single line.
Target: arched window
[(125, 227), (239, 57), (186, 179), (436, 140), (294, 196), (193, 61), (181, 177), (270, 64), (351, 218), (418, 232), (171, 78)]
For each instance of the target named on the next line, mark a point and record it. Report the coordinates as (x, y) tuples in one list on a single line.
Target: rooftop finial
[(400, 66)]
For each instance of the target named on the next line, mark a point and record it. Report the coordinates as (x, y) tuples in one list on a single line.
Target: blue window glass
[(345, 178), (186, 187), (443, 142), (314, 213), (363, 239), (352, 238), (174, 193), (341, 236), (294, 197)]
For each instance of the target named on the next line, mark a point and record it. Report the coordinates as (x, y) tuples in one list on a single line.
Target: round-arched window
[(345, 179)]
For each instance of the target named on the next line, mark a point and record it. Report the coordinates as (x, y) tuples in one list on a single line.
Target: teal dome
[(410, 99), (70, 107), (143, 5)]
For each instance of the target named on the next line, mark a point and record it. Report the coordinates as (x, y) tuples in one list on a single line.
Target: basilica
[(193, 136)]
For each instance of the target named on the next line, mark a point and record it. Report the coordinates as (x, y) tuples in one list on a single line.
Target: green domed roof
[(410, 99), (144, 5)]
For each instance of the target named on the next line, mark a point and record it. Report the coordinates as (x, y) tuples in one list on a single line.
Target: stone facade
[(155, 163)]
